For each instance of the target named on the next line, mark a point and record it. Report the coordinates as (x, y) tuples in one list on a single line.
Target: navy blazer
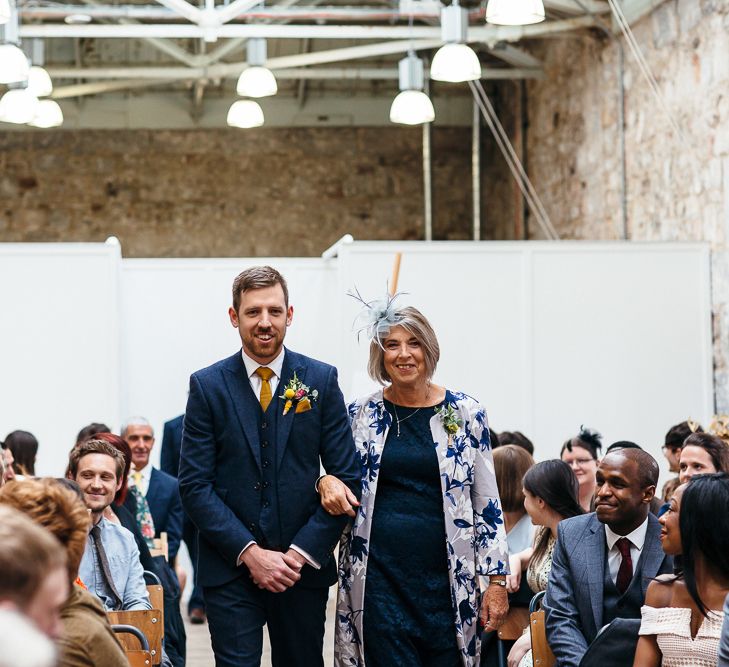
[(171, 443), (165, 506), (220, 466), (574, 599)]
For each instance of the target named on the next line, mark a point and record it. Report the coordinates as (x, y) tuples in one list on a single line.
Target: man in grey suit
[(604, 561)]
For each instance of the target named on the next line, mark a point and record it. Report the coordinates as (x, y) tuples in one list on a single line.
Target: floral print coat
[(475, 534)]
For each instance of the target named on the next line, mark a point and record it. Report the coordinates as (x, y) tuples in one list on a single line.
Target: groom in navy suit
[(258, 425)]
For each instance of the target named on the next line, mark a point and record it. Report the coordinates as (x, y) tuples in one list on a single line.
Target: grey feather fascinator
[(377, 317)]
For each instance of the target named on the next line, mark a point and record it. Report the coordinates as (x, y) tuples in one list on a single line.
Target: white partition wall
[(616, 336), (59, 343), (549, 336)]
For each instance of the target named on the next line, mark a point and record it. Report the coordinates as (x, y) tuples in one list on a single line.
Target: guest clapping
[(682, 617), (436, 525)]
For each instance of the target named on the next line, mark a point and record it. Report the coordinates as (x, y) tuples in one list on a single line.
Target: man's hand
[(494, 607), (336, 497), (271, 570)]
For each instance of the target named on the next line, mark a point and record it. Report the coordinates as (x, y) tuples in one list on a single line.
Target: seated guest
[(24, 448), (515, 438), (90, 430), (552, 495), (724, 643), (582, 453), (7, 463), (110, 567), (682, 616), (603, 561), (154, 495), (657, 506), (23, 645), (87, 639), (511, 464), (702, 453), (33, 577), (673, 442)]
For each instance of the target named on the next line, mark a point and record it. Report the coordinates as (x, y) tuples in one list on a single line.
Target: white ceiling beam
[(575, 7), (316, 74), (184, 9), (234, 9), (99, 87), (487, 33), (514, 56)]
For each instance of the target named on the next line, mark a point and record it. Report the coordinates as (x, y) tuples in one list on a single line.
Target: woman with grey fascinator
[(436, 526)]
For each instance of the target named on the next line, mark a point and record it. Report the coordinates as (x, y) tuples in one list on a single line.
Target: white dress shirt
[(637, 540), (146, 474), (256, 382)]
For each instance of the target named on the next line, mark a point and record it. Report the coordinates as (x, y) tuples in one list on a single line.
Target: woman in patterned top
[(551, 492), (682, 617)]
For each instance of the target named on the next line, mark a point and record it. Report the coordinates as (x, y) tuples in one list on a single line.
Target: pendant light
[(47, 114), (412, 106), (245, 114), (256, 80), (18, 105), (455, 61), (13, 64), (39, 82), (515, 12)]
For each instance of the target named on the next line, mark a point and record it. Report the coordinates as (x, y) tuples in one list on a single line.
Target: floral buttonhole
[(296, 393), (450, 419)]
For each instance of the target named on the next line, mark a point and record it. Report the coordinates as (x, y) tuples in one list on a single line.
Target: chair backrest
[(139, 658), (161, 547), (514, 624), (542, 655), (157, 598), (149, 621)]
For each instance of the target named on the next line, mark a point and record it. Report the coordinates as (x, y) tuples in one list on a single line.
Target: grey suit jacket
[(574, 600), (724, 643)]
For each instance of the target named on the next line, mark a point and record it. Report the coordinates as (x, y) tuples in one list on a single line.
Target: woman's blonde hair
[(417, 325)]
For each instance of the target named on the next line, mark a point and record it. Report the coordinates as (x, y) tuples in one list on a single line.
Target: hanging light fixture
[(256, 80), (4, 11), (47, 114), (515, 12), (18, 105), (412, 106), (455, 61), (245, 114), (13, 64), (39, 82)]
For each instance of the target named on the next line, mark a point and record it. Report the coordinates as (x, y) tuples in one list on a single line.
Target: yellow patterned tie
[(265, 374)]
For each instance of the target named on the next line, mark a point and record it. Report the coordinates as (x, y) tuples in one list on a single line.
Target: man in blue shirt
[(110, 566)]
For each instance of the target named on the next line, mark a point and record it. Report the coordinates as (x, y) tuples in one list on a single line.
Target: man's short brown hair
[(258, 277), (27, 554), (96, 447), (49, 503)]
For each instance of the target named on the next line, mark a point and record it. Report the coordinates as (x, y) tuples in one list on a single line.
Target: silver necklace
[(400, 421)]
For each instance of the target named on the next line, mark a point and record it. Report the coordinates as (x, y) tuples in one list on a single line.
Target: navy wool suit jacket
[(221, 466), (165, 506), (171, 443), (574, 599)]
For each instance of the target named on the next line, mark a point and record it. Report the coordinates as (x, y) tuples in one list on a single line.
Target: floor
[(199, 653)]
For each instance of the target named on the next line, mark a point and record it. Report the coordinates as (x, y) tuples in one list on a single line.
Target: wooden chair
[(516, 621), (156, 593), (148, 622), (542, 655), (161, 548), (136, 657)]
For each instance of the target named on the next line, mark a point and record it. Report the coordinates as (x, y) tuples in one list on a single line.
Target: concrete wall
[(226, 193), (676, 189)]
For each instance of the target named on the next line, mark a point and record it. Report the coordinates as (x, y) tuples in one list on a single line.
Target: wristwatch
[(498, 582)]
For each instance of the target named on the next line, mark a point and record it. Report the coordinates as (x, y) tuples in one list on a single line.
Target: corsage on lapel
[(298, 394), (450, 419)]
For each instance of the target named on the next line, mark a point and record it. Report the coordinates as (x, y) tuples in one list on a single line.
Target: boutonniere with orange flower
[(298, 394)]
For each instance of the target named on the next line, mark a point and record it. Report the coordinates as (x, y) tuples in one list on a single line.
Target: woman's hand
[(513, 580), (336, 497), (494, 607), (519, 649)]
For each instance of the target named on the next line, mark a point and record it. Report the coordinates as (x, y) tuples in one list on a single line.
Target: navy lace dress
[(408, 613)]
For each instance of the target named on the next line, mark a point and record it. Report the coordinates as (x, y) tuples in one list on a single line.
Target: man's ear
[(119, 485), (233, 316), (648, 493), (289, 316)]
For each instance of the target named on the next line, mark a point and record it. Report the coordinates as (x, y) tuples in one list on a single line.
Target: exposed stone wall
[(676, 189), (231, 193)]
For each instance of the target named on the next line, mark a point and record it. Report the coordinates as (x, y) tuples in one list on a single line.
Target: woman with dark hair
[(682, 617), (582, 453), (702, 453), (24, 448), (551, 495)]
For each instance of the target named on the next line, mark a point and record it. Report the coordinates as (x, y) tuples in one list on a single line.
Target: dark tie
[(625, 573), (101, 553)]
